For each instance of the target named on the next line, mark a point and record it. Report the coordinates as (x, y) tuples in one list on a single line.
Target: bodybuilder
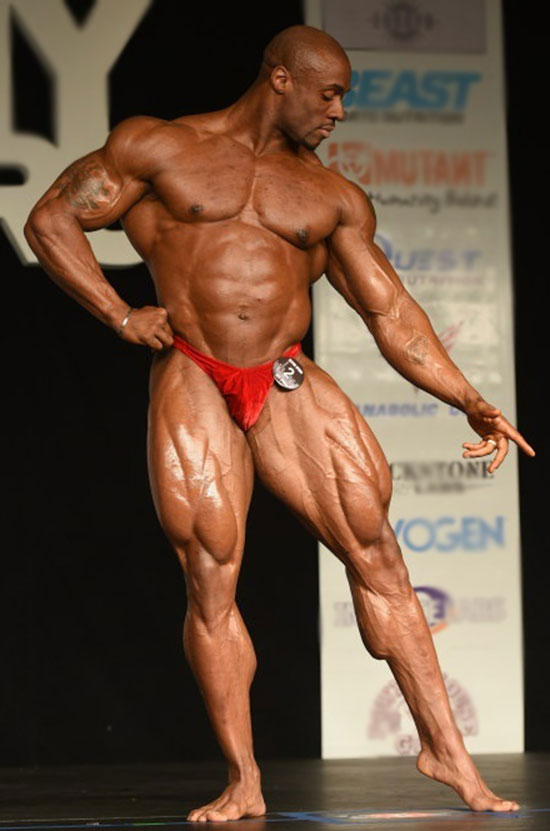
[(236, 217)]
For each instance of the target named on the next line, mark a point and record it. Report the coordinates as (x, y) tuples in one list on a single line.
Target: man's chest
[(277, 192)]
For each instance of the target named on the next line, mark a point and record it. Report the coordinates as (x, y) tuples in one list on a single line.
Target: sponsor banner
[(425, 138)]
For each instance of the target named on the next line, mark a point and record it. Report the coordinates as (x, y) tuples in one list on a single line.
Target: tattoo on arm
[(88, 187), (417, 349)]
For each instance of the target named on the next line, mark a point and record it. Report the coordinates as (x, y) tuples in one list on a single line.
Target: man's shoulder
[(147, 129), (350, 198), (142, 143)]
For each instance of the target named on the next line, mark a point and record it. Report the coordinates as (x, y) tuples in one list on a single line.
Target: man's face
[(313, 104)]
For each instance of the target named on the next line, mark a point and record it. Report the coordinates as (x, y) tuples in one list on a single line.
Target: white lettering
[(78, 60)]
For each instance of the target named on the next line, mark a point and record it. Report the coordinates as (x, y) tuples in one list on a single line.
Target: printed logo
[(440, 609), (386, 89), (403, 21), (426, 267), (430, 477), (449, 335), (352, 817), (436, 605), (408, 25), (407, 409), (367, 164), (390, 716), (447, 533), (429, 259)]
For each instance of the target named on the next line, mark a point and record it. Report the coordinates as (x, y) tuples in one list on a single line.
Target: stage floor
[(303, 795)]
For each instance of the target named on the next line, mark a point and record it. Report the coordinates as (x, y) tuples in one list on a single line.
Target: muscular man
[(235, 217)]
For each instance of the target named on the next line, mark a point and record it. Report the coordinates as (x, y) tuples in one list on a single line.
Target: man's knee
[(211, 581)]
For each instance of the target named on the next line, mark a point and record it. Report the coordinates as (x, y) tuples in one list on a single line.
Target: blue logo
[(436, 605), (385, 89), (429, 259), (392, 409), (467, 533)]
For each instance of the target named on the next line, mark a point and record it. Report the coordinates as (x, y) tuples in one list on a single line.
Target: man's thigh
[(200, 466), (312, 449)]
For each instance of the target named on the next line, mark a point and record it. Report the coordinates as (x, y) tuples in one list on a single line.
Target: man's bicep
[(100, 187), (92, 191)]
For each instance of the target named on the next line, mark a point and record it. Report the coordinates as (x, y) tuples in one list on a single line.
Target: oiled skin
[(236, 217), (230, 264)]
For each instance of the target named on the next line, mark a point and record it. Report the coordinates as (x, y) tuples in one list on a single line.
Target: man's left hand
[(489, 423)]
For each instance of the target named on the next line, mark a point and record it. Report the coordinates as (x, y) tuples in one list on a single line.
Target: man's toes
[(216, 816), (196, 816), (505, 805)]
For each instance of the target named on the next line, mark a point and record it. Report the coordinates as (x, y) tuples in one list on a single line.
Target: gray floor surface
[(301, 795)]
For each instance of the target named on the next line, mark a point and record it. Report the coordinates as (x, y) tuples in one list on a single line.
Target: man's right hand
[(149, 326)]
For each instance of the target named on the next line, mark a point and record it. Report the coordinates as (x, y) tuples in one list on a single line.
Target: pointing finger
[(513, 434), (520, 441)]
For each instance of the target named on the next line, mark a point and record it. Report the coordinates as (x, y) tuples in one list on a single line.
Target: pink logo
[(449, 335), (390, 715)]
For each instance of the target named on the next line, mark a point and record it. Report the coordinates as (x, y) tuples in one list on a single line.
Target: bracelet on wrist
[(125, 321)]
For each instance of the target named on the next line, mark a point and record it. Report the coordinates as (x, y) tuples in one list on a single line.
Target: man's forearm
[(65, 254), (410, 345)]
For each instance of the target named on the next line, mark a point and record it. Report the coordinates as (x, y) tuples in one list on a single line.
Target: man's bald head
[(301, 49), (303, 79)]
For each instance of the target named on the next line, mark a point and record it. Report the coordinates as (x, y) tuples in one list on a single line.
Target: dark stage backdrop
[(92, 597), (526, 44)]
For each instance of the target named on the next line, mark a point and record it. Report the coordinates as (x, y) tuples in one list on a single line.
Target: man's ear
[(281, 80)]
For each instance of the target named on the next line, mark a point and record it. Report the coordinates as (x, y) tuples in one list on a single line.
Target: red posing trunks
[(244, 388)]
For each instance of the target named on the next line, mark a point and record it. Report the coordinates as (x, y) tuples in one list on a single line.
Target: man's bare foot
[(456, 769), (240, 799)]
